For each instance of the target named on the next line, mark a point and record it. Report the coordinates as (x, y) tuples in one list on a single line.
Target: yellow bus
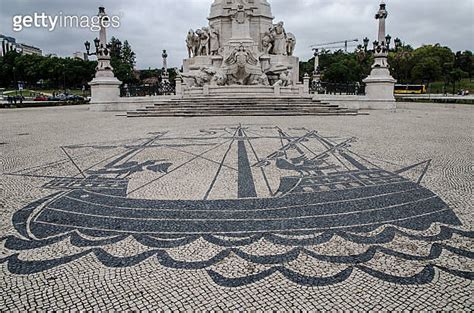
[(409, 89)]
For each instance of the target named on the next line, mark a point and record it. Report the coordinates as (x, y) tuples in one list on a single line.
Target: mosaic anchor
[(332, 191)]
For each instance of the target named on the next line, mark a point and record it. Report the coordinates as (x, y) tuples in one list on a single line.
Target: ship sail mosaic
[(294, 188)]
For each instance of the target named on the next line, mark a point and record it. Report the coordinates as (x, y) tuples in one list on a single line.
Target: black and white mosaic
[(310, 198)]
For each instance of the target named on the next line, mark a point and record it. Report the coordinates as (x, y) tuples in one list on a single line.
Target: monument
[(380, 84), (104, 86), (241, 46), (165, 75)]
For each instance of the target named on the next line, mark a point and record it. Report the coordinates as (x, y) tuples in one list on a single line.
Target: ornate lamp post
[(105, 86), (388, 40), (398, 43), (380, 84), (366, 43)]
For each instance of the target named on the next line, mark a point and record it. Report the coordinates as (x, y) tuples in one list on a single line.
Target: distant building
[(10, 44), (80, 55), (27, 49)]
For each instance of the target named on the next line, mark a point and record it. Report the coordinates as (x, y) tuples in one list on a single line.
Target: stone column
[(306, 84), (179, 86), (105, 86), (317, 70), (380, 84), (165, 74)]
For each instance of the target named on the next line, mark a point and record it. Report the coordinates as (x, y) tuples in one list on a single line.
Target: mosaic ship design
[(301, 192)]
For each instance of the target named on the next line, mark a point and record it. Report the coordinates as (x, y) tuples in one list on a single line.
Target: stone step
[(235, 113), (244, 103), (240, 106), (243, 106), (177, 110), (243, 98)]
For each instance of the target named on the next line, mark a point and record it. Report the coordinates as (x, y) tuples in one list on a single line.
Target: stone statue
[(263, 80), (214, 40), (198, 78), (290, 44), (267, 43), (219, 77), (285, 79), (279, 38), (203, 47), (242, 67), (192, 43)]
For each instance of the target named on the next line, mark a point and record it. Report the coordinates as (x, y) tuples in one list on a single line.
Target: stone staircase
[(240, 106)]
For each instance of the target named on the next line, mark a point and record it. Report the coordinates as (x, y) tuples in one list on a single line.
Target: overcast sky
[(153, 25)]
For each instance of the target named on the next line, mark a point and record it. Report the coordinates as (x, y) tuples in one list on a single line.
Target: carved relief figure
[(242, 67), (267, 43), (279, 37), (240, 15), (219, 77), (198, 78), (285, 79), (214, 40), (290, 44), (263, 80)]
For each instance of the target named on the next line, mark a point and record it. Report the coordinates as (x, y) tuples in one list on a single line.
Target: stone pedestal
[(282, 62), (380, 89), (196, 63), (105, 90), (306, 84)]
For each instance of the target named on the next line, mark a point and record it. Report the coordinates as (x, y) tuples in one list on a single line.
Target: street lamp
[(64, 77), (366, 43), (14, 81), (398, 43), (388, 39)]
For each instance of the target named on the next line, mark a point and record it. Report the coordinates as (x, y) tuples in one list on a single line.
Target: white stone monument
[(105, 87), (240, 47), (165, 76), (317, 69), (380, 84)]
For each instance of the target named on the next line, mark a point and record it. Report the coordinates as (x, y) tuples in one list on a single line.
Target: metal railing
[(160, 89), (357, 89)]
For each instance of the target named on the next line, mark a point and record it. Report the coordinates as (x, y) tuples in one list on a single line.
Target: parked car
[(74, 98), (51, 98), (41, 98)]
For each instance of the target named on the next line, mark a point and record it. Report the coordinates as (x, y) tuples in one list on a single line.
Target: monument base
[(104, 90), (379, 90), (237, 91)]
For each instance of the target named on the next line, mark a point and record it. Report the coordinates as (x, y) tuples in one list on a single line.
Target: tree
[(128, 56), (123, 61), (427, 70), (464, 61), (54, 72), (455, 76), (436, 56), (401, 63)]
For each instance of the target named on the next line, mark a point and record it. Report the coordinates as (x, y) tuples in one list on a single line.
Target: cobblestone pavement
[(366, 212)]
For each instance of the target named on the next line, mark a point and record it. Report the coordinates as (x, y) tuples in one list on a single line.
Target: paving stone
[(198, 196)]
